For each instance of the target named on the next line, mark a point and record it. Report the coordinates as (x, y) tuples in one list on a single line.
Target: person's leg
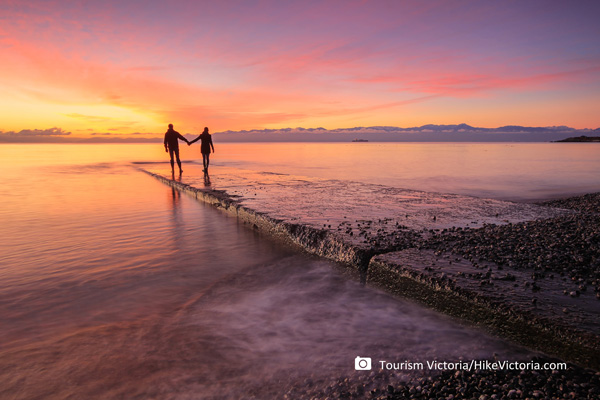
[(178, 160), (172, 161), (204, 161)]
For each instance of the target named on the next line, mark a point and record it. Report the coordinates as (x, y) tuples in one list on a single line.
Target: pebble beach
[(573, 383), (565, 248)]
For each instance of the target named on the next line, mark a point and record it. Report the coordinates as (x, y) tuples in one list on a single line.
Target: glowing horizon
[(124, 68)]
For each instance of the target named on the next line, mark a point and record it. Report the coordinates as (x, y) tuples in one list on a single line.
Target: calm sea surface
[(507, 171), (113, 285)]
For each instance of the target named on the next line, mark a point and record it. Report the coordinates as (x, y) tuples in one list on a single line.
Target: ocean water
[(113, 285), (505, 171)]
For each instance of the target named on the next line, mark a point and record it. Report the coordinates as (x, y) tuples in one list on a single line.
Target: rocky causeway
[(529, 272)]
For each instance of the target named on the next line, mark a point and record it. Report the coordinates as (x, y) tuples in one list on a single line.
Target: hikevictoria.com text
[(472, 365)]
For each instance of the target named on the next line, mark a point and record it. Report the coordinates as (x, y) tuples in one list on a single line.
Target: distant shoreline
[(580, 139), (425, 133), (223, 140)]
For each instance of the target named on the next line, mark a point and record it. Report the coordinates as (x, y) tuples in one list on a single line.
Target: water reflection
[(176, 217), (206, 179)]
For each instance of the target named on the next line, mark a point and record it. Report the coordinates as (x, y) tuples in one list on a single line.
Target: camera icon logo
[(362, 363)]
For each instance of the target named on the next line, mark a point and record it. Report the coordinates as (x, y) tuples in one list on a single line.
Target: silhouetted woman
[(205, 145)]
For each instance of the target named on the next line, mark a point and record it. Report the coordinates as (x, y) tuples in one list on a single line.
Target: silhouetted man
[(172, 138)]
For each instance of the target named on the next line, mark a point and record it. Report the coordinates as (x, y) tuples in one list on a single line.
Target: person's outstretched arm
[(182, 138), (195, 140)]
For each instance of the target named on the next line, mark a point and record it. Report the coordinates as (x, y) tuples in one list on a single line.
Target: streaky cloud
[(36, 132)]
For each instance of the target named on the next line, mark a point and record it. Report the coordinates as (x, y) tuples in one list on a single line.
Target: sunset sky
[(131, 67)]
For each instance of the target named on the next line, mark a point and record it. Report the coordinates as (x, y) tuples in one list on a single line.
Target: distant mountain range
[(425, 133)]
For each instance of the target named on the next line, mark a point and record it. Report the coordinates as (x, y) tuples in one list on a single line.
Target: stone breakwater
[(526, 271)]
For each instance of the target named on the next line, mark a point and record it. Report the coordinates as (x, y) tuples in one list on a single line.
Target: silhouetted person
[(205, 145), (172, 138)]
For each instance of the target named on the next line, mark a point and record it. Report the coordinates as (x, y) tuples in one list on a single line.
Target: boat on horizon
[(360, 140)]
